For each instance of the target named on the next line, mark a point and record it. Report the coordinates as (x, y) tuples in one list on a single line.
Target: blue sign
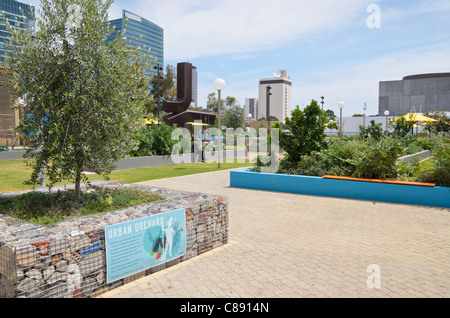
[(137, 245)]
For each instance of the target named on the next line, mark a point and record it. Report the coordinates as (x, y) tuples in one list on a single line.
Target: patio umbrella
[(150, 122), (146, 121), (197, 124), (415, 118)]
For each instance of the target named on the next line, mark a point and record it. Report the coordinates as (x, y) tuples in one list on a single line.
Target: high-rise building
[(152, 35), (194, 86), (12, 10), (250, 107), (19, 15), (280, 88)]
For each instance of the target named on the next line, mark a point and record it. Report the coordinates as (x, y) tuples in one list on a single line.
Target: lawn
[(13, 173)]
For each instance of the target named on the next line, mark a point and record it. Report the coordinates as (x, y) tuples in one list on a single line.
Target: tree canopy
[(84, 94), (307, 132)]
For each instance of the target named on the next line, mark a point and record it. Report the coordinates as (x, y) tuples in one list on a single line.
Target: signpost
[(137, 245)]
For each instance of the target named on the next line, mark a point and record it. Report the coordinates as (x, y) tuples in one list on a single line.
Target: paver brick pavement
[(295, 246)]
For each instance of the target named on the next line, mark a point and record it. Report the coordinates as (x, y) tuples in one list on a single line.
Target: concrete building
[(281, 98), (417, 93), (250, 107), (152, 35)]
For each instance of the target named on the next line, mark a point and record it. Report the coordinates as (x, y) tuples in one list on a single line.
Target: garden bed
[(69, 259), (427, 195)]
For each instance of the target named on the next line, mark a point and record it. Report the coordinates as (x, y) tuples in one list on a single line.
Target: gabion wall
[(68, 260)]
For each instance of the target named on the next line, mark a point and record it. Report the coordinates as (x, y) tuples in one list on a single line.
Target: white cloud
[(359, 83), (206, 28)]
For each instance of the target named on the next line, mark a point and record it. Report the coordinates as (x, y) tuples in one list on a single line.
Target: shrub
[(307, 129), (413, 147), (401, 128), (379, 160), (154, 141), (45, 208), (373, 131), (441, 172), (369, 159)]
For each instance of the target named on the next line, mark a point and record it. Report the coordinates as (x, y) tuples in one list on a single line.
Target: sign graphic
[(137, 245), (133, 16)]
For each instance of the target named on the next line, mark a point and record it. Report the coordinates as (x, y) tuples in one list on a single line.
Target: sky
[(337, 49)]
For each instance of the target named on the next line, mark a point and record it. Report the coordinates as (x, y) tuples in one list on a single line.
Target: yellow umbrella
[(415, 118), (150, 122), (197, 124)]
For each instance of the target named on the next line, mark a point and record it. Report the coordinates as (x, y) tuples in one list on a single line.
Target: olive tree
[(85, 93)]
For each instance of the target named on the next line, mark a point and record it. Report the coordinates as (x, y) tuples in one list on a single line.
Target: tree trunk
[(78, 186)]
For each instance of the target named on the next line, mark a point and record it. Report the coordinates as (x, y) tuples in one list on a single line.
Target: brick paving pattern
[(293, 246)]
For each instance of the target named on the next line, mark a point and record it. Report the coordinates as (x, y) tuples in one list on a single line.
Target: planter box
[(347, 189), (68, 259)]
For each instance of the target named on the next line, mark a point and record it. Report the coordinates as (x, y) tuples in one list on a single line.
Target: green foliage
[(163, 88), (307, 129), (233, 117), (154, 141), (413, 147), (369, 159), (441, 126), (401, 128), (84, 95), (45, 208), (373, 131), (379, 160), (441, 172), (212, 103)]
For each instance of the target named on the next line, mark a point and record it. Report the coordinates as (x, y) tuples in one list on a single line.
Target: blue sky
[(326, 46)]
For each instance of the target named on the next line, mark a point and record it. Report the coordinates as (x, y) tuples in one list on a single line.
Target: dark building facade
[(416, 93)]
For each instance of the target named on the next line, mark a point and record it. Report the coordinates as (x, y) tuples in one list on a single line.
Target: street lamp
[(386, 113), (268, 94), (158, 69), (341, 106), (322, 102), (219, 85), (365, 109)]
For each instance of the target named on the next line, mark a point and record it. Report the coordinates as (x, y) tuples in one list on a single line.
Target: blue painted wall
[(382, 192)]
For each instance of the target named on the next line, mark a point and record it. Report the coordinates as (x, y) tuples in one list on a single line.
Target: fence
[(68, 260)]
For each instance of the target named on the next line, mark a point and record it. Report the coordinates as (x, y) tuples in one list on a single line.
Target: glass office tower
[(152, 35), (19, 15)]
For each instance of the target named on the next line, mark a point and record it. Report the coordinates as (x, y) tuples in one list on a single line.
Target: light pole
[(341, 106), (322, 102), (386, 113), (158, 68), (365, 109), (268, 94), (219, 85)]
